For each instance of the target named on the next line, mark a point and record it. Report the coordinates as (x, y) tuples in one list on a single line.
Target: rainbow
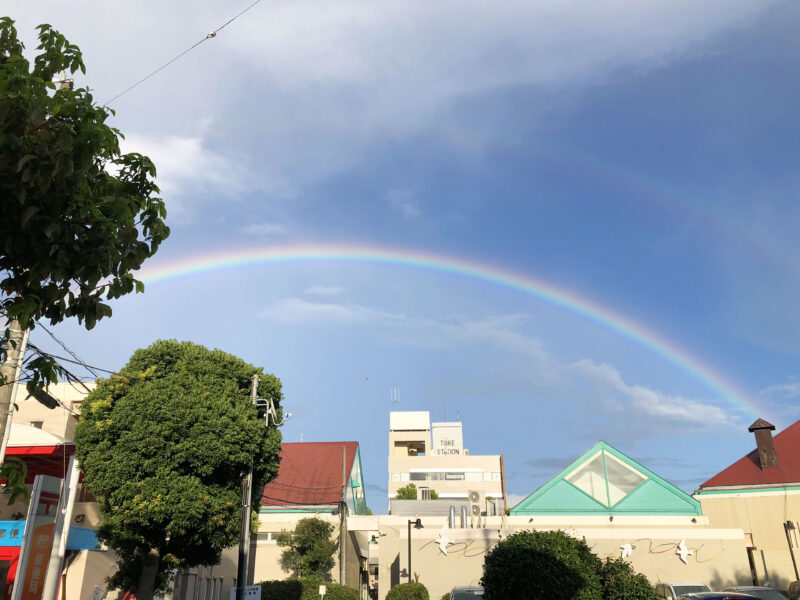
[(245, 257)]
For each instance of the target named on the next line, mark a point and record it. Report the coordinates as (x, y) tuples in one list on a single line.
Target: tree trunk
[(147, 578)]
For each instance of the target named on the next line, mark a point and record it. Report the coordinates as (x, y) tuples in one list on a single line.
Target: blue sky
[(639, 155)]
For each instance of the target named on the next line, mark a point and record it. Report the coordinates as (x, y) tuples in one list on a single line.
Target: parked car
[(466, 593), (672, 590), (717, 596), (762, 592)]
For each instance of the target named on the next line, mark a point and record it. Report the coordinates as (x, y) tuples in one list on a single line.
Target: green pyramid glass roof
[(605, 481)]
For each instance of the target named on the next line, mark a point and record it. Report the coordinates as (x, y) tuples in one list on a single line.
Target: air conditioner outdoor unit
[(477, 502)]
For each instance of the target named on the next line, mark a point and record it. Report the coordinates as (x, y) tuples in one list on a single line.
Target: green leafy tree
[(14, 471), (408, 591), (408, 492), (309, 549), (621, 582), (542, 564), (79, 217), (164, 446)]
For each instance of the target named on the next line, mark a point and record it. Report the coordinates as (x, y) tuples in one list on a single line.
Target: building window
[(454, 476), (37, 424)]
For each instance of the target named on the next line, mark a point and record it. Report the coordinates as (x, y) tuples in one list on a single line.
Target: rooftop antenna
[(458, 412), (301, 438), (445, 411), (395, 398)]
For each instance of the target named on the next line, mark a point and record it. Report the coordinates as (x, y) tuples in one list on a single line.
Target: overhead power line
[(211, 34), (77, 360)]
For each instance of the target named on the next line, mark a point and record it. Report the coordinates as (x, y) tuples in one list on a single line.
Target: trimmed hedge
[(305, 589), (408, 591)]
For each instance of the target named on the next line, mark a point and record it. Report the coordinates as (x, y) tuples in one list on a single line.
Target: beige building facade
[(443, 557), (760, 493), (432, 456)]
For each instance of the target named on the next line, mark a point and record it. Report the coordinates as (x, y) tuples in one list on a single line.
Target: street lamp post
[(787, 527), (417, 525)]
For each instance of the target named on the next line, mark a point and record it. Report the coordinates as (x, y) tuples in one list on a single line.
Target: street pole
[(244, 530), (409, 551), (61, 533), (10, 372), (343, 522)]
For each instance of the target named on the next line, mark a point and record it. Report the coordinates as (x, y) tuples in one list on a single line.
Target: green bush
[(542, 564), (305, 589), (445, 596), (291, 589), (408, 591), (620, 582)]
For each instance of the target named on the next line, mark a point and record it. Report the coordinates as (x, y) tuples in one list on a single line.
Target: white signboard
[(448, 439), (251, 592)]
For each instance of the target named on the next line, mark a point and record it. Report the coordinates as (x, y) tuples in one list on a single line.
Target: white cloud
[(264, 229), (298, 310), (595, 386), (652, 402), (402, 201), (323, 290), (308, 86), (188, 172)]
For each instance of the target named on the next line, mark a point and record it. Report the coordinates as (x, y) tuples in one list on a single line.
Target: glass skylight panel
[(590, 478), (622, 479)]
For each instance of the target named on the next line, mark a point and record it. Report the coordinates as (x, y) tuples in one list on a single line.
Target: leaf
[(25, 159), (27, 214)]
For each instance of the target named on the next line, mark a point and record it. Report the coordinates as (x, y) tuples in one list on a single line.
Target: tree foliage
[(408, 591), (542, 564), (78, 215), (14, 471), (164, 446), (309, 549), (305, 589), (408, 492), (620, 582)]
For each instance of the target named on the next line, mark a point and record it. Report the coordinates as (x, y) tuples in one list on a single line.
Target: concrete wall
[(59, 421), (489, 485), (87, 573), (718, 556), (761, 516)]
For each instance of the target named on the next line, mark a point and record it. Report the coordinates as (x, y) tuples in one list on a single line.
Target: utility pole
[(343, 524), (244, 530), (10, 372)]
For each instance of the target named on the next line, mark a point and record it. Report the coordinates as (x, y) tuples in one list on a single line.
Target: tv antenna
[(395, 398)]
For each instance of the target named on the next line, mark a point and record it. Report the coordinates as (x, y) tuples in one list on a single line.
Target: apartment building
[(432, 456)]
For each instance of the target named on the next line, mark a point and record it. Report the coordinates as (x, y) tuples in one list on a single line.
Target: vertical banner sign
[(37, 542)]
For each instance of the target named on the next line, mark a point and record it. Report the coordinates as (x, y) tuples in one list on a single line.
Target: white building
[(432, 457)]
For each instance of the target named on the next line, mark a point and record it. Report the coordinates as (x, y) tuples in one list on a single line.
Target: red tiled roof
[(310, 474), (748, 471)]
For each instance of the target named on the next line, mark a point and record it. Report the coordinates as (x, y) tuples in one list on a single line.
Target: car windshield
[(467, 594), (680, 590)]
